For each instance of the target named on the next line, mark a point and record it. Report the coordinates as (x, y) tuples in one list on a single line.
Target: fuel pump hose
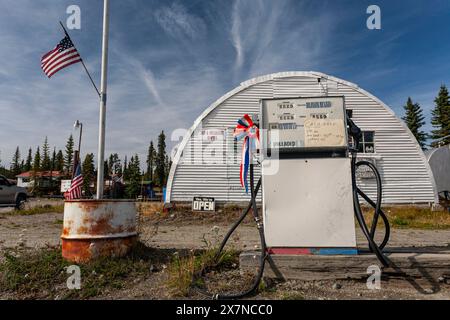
[(355, 132), (252, 206)]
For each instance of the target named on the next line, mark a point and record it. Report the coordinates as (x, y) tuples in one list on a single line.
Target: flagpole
[(101, 134), (82, 62)]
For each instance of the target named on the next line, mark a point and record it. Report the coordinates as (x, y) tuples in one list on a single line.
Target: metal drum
[(98, 228)]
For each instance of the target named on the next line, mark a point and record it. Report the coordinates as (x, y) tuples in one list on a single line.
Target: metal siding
[(405, 173)]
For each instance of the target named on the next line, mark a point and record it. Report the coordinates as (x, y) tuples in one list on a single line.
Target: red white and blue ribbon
[(248, 131)]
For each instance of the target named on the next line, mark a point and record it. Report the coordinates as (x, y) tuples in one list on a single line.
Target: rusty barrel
[(98, 228)]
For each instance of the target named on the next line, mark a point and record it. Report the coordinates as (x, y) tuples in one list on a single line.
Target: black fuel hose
[(370, 234), (253, 207)]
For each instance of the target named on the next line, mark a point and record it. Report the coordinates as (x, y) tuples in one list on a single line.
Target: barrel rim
[(100, 201)]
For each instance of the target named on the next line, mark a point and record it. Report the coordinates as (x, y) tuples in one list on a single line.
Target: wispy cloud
[(270, 36), (178, 22), (169, 60)]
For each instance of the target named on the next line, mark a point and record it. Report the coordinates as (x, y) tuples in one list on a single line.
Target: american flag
[(74, 191), (63, 55)]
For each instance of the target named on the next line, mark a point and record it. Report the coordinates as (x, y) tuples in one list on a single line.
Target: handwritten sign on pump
[(324, 133)]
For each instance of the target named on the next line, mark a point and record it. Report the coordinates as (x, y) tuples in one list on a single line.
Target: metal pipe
[(101, 135), (79, 140)]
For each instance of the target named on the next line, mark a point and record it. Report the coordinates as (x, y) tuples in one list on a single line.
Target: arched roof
[(261, 79)]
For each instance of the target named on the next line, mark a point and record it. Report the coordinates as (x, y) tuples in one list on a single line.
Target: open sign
[(203, 204)]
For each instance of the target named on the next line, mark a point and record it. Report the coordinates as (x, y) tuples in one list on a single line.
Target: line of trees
[(440, 120), (155, 172), (42, 159)]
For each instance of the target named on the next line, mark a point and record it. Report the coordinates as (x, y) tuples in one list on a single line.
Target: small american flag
[(63, 55), (74, 191)]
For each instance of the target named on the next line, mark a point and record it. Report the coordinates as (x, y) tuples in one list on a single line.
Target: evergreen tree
[(114, 165), (53, 161), (167, 165), (161, 160), (29, 163), (134, 177), (45, 158), (151, 156), (415, 120), (15, 164), (88, 169), (105, 170), (125, 168), (36, 168), (68, 158), (59, 163), (37, 161), (441, 118)]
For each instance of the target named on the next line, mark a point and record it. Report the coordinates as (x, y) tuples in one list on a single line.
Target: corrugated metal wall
[(405, 172)]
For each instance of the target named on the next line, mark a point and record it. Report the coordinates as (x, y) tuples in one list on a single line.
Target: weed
[(37, 210), (413, 217), (42, 274), (182, 269)]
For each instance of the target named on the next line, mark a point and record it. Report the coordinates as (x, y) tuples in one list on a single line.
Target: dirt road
[(37, 231)]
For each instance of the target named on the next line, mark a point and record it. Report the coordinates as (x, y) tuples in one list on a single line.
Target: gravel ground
[(39, 230)]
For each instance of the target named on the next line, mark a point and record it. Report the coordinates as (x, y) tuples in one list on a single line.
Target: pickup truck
[(11, 195)]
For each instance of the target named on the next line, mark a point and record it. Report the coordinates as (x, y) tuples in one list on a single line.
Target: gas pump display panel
[(306, 124)]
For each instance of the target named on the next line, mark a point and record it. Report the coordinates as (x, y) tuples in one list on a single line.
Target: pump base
[(313, 251), (416, 263)]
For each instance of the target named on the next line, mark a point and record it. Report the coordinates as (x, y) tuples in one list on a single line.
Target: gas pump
[(309, 187), (307, 196)]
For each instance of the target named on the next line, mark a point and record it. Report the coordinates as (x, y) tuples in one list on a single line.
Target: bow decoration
[(247, 130)]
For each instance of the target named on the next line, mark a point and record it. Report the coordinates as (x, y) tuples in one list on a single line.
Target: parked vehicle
[(11, 195)]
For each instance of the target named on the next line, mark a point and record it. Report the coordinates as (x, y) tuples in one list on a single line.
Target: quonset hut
[(206, 163)]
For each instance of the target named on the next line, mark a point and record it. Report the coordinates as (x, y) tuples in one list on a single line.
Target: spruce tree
[(15, 164), (167, 165), (88, 173), (114, 164), (59, 165), (68, 158), (125, 169), (415, 120), (151, 155), (441, 118), (161, 160), (134, 177), (53, 161), (37, 161), (29, 162), (36, 169), (45, 158)]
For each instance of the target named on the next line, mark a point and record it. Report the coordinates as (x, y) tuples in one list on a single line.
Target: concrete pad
[(430, 265)]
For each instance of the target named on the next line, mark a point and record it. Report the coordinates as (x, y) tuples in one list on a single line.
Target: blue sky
[(170, 59)]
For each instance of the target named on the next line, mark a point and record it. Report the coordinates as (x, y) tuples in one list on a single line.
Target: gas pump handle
[(354, 131)]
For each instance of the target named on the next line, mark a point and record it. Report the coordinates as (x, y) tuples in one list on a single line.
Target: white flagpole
[(101, 134)]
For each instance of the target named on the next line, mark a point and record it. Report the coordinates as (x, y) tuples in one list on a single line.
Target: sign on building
[(203, 204)]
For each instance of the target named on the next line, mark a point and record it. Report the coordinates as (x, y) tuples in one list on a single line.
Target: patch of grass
[(413, 217), (182, 269), (42, 274), (292, 296), (38, 210)]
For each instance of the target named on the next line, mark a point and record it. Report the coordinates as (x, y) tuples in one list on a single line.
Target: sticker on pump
[(325, 133)]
